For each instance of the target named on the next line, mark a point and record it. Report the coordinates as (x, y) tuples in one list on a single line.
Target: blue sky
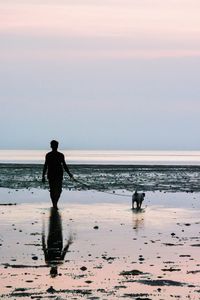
[(109, 75)]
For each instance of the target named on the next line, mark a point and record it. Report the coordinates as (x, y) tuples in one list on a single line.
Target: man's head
[(54, 145)]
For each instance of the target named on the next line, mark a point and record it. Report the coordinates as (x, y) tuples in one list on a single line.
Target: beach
[(114, 253), (99, 102)]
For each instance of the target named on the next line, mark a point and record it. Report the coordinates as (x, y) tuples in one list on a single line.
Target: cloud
[(27, 47)]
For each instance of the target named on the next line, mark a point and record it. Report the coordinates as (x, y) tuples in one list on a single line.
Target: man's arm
[(66, 168), (44, 171)]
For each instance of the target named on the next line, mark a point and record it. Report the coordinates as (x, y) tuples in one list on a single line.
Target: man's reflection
[(54, 251)]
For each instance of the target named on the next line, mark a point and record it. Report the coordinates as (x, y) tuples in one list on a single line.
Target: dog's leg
[(138, 205), (133, 205)]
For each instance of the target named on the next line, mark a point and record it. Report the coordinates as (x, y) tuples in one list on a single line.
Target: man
[(54, 165)]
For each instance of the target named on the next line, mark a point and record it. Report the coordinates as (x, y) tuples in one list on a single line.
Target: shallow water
[(107, 178), (160, 243)]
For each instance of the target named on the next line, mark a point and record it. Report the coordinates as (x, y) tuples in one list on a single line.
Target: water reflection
[(54, 252), (138, 218)]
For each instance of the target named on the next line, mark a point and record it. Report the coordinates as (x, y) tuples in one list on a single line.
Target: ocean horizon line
[(112, 157)]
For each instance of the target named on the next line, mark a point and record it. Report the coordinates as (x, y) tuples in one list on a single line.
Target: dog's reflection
[(54, 252), (138, 218)]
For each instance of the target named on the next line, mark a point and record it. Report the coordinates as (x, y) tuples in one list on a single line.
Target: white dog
[(138, 198)]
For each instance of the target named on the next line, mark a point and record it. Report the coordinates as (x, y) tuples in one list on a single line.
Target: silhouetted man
[(54, 165)]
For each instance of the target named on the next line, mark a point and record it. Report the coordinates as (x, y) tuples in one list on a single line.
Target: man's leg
[(55, 191)]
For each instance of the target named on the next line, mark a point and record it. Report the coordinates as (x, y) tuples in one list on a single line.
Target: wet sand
[(114, 252)]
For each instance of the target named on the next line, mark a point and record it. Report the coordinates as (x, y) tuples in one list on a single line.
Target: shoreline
[(106, 165)]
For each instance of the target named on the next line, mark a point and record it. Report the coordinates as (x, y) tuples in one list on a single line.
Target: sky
[(109, 74)]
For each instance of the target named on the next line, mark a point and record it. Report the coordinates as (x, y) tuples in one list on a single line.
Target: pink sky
[(120, 74), (143, 29)]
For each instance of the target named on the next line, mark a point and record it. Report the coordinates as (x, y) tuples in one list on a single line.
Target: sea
[(106, 170)]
